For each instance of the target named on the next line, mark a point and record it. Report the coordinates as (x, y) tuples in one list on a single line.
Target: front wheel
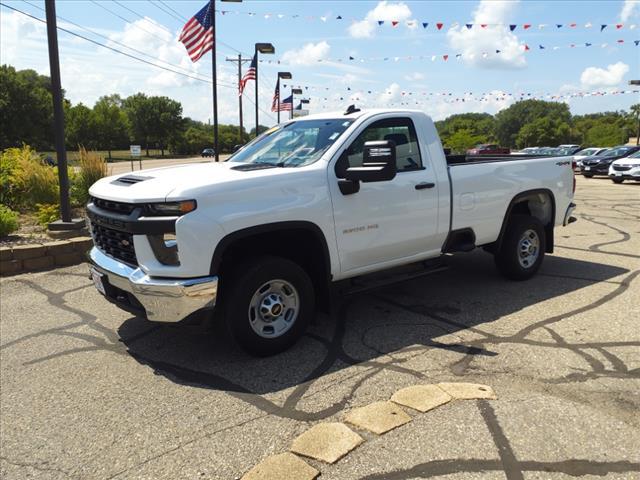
[(522, 249), (617, 180), (269, 303), (587, 175)]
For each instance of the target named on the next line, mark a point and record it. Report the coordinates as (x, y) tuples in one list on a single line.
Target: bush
[(26, 179), (92, 167), (8, 221), (47, 213)]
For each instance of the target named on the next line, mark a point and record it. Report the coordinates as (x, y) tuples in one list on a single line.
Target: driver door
[(390, 221)]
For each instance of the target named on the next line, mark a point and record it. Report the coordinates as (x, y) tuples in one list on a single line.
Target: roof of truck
[(357, 114)]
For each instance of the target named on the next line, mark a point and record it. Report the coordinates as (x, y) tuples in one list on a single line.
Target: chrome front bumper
[(164, 300)]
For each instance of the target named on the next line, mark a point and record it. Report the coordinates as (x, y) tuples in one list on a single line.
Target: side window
[(401, 131)]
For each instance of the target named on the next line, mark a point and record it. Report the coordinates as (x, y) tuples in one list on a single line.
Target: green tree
[(543, 131), (140, 117), (462, 140), (80, 128), (27, 109), (511, 120), (604, 129), (110, 123), (166, 121), (635, 118), (462, 131)]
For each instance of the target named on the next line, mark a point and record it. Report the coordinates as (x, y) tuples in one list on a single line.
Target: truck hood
[(156, 185)]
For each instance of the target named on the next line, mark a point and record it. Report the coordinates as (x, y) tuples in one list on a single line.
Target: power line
[(129, 21), (170, 8), (167, 12), (115, 41), (116, 50)]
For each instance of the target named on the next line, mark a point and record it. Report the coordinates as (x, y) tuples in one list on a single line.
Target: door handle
[(423, 185)]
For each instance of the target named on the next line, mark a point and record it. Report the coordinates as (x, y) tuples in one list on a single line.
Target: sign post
[(135, 151)]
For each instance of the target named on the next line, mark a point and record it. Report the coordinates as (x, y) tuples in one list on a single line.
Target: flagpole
[(214, 75), (278, 87)]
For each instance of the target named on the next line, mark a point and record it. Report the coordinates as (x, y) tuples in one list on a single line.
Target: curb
[(33, 258)]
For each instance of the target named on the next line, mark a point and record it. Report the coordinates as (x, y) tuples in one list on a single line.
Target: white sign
[(135, 150), (300, 113)]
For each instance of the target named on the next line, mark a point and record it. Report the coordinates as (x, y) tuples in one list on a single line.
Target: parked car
[(308, 205), (527, 151), (587, 152), (488, 149), (208, 152), (627, 168), (599, 164), (567, 150)]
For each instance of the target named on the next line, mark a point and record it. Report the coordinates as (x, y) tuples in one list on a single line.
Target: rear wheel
[(522, 250), (269, 303)]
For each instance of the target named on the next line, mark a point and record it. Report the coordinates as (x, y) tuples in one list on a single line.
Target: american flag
[(250, 75), (284, 106), (197, 33)]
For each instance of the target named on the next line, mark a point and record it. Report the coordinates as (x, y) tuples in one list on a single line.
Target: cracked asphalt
[(90, 392)]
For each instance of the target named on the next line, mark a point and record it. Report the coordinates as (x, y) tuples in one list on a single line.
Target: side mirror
[(378, 163)]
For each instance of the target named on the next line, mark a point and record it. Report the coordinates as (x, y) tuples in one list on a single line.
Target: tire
[(511, 260), (617, 180), (260, 296), (587, 175)]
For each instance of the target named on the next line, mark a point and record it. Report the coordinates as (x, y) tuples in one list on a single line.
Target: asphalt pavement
[(90, 392)]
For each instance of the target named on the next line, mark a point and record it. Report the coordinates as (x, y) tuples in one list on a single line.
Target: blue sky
[(89, 71)]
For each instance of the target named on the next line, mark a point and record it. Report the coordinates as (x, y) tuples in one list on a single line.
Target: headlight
[(170, 209)]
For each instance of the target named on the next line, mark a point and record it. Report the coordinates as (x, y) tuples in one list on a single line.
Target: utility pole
[(67, 223), (240, 61)]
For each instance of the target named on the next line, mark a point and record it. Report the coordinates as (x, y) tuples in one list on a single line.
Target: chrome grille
[(118, 245)]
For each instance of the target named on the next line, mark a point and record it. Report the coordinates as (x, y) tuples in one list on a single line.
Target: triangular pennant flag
[(603, 26), (458, 55), (439, 25), (469, 26), (541, 47), (425, 24), (512, 27), (526, 47), (351, 58), (526, 26), (573, 25), (559, 25), (394, 23), (338, 17), (637, 42), (483, 25), (497, 51), (620, 41), (446, 57), (619, 26), (587, 44), (588, 25)]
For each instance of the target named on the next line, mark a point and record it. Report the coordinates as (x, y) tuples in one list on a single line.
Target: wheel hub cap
[(528, 249), (274, 308)]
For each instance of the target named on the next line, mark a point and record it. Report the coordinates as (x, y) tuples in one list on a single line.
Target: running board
[(375, 281)]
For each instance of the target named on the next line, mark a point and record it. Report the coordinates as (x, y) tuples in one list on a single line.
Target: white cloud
[(386, 11), (594, 77), (629, 8), (414, 77), (309, 54), (474, 43)]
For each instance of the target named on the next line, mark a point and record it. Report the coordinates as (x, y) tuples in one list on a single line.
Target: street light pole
[(58, 119), (285, 76), (261, 48), (294, 91), (212, 10)]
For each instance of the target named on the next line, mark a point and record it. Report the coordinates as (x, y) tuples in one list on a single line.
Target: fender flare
[(548, 229), (243, 233)]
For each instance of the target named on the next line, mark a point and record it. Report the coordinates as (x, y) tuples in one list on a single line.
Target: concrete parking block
[(421, 397), (284, 466), (328, 442), (468, 391), (378, 417)]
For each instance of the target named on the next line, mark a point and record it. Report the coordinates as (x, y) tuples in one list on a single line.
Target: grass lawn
[(118, 155)]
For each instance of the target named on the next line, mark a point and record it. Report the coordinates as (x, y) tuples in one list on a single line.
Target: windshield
[(614, 152), (635, 155), (294, 144)]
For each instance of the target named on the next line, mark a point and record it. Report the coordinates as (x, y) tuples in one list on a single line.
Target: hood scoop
[(129, 180)]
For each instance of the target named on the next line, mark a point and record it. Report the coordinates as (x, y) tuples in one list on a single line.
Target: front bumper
[(163, 299)]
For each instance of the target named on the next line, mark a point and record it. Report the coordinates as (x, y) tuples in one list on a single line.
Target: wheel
[(587, 175), (617, 180), (522, 249), (269, 303)]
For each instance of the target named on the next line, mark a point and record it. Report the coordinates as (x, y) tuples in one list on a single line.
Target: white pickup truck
[(265, 235)]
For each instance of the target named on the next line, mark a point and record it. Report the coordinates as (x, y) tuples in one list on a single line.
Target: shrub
[(47, 213), (92, 167), (8, 221), (28, 180)]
